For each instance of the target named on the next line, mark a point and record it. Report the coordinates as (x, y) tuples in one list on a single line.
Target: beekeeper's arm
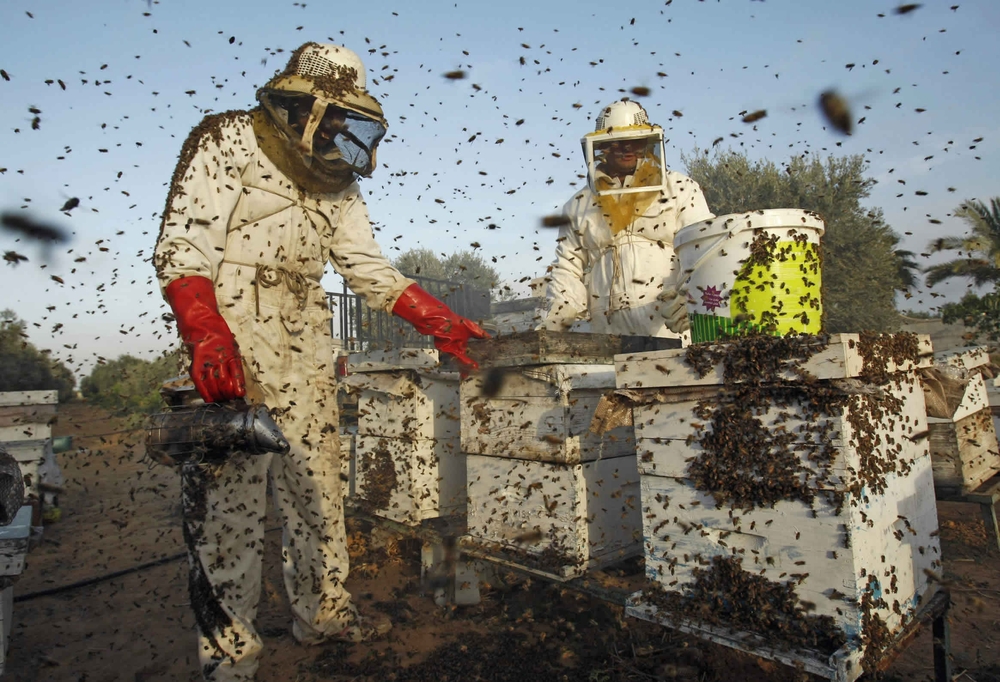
[(566, 291), (691, 208), (203, 193), (356, 255)]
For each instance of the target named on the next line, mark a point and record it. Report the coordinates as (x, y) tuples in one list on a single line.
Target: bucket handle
[(710, 251)]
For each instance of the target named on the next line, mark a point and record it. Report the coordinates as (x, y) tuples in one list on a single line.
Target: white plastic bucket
[(757, 271)]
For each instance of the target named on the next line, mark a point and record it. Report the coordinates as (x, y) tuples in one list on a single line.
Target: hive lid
[(837, 356), (542, 347)]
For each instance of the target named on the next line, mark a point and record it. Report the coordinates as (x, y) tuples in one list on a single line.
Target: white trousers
[(224, 508)]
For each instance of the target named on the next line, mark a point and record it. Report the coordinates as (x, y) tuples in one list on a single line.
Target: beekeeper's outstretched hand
[(673, 308)]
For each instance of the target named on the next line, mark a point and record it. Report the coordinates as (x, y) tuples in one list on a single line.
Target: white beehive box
[(27, 415), (25, 427), (963, 445), (542, 413), (667, 432), (889, 538), (871, 525), (841, 357), (29, 455), (407, 465), (559, 519), (964, 452), (406, 404), (409, 480)]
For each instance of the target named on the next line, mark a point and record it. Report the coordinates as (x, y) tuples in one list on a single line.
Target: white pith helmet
[(320, 103), (620, 121), (621, 114), (329, 72)]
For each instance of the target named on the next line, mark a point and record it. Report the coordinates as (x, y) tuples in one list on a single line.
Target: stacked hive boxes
[(407, 459), (26, 433), (963, 438), (544, 492), (786, 489)]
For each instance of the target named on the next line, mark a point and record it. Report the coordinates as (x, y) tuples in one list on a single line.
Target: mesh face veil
[(320, 105), (625, 154)]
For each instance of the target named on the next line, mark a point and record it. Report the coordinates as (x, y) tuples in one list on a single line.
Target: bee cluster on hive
[(790, 469), (407, 459)]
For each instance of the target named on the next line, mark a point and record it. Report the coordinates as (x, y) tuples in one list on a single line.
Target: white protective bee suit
[(615, 258), (236, 218)]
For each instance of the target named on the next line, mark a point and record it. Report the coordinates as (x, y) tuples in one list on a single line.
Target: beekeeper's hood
[(324, 114), (624, 136)]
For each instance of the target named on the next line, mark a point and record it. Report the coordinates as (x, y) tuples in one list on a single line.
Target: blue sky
[(499, 148)]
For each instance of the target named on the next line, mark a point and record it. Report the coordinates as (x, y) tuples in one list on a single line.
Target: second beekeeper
[(615, 264)]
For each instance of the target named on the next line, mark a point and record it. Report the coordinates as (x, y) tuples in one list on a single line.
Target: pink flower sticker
[(711, 298)]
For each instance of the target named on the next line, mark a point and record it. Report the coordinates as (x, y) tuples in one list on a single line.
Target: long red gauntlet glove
[(216, 365), (428, 315)]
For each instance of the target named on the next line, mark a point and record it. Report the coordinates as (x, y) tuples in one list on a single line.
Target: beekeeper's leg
[(224, 510), (307, 488)]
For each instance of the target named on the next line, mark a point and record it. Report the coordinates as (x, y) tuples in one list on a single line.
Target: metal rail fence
[(361, 328)]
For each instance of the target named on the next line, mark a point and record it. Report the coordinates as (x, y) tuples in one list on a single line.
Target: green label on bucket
[(714, 327)]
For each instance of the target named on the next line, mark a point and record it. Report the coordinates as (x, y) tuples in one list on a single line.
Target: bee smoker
[(193, 431)]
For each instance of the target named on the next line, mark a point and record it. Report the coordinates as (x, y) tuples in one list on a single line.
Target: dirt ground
[(121, 518)]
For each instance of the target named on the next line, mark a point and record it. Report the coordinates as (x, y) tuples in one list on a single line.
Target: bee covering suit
[(260, 201), (615, 261)]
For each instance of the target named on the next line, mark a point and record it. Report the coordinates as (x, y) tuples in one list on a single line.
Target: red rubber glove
[(216, 365), (428, 315)]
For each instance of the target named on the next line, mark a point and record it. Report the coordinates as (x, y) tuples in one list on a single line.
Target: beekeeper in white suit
[(615, 262), (260, 201)]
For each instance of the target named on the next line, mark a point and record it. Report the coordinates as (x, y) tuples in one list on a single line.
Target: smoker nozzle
[(265, 434)]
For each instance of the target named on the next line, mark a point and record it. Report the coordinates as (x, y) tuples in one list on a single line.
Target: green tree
[(861, 268), (129, 385), (24, 368), (420, 262), (981, 248), (907, 267), (980, 314), (464, 267)]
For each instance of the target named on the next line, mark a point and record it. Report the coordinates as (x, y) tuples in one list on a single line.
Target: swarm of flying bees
[(501, 453)]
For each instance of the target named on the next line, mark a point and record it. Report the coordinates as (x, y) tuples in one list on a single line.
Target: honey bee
[(555, 220), (836, 111)]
